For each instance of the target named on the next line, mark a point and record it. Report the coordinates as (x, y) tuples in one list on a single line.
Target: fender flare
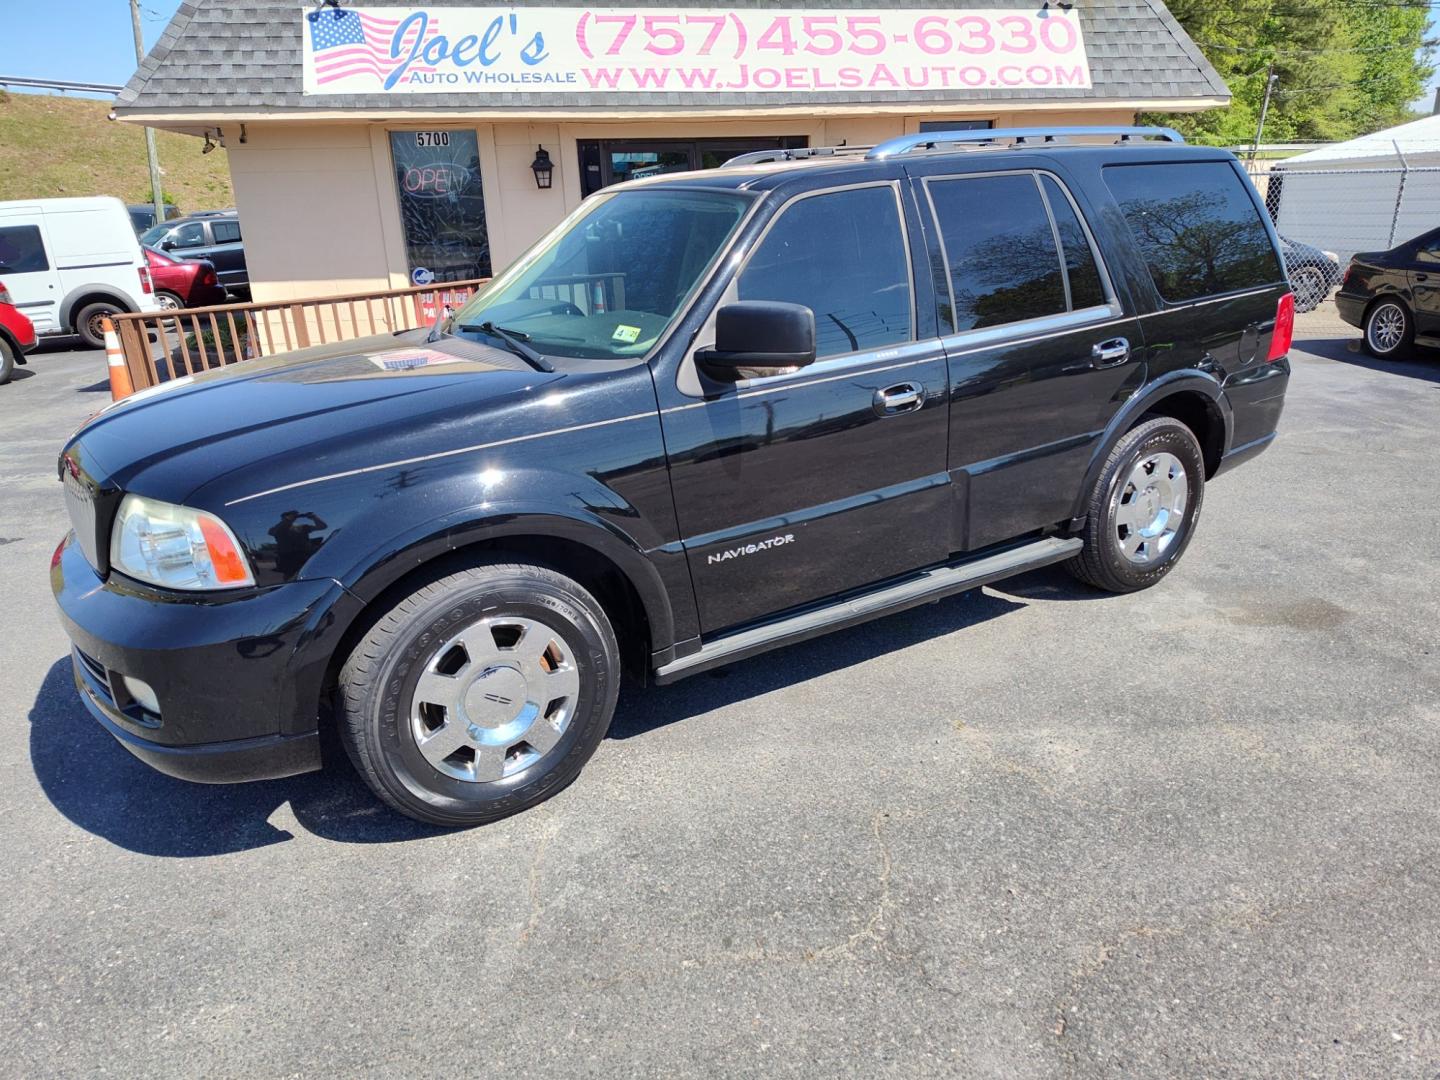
[(439, 537), (94, 288), (14, 344), (1187, 380)]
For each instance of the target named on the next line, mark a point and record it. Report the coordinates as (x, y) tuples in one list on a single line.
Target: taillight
[(208, 278), (145, 286), (4, 294), (1284, 328)]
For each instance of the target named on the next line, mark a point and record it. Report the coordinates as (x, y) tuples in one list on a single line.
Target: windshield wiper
[(516, 341)]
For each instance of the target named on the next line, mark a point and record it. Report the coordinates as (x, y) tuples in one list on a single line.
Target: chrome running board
[(923, 588)]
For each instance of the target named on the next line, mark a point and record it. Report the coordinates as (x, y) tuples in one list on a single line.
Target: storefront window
[(612, 161), (442, 208)]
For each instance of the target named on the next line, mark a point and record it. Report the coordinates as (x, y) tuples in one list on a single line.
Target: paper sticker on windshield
[(627, 334)]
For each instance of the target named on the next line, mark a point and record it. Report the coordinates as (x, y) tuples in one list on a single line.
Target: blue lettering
[(535, 53), (466, 43), (436, 49), (400, 32), (493, 31)]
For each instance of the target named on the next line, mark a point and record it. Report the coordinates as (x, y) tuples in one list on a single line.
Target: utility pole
[(155, 193), (1270, 79)]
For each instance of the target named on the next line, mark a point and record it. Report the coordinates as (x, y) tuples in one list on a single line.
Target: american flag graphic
[(346, 43)]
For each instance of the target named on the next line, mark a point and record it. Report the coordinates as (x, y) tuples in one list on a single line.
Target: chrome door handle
[(906, 397), (1109, 353)]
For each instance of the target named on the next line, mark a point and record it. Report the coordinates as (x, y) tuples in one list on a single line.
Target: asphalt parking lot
[(1030, 831)]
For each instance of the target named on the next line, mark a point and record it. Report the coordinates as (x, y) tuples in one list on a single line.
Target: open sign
[(435, 180)]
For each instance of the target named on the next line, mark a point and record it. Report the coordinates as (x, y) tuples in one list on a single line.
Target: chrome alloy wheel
[(1386, 329), (167, 301), (1148, 508), (494, 699)]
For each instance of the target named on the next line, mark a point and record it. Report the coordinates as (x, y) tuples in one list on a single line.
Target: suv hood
[(301, 410)]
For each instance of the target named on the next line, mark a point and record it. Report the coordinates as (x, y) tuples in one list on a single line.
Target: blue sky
[(84, 40), (98, 45)]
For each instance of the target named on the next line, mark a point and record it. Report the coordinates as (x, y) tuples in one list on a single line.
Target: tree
[(1343, 67)]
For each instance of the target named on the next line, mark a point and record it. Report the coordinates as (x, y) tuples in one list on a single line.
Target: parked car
[(72, 263), (17, 336), (142, 215), (711, 414), (1394, 296), (213, 235), (181, 283), (1313, 273)]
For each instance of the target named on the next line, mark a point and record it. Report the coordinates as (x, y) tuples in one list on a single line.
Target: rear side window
[(1085, 288), (226, 232), (21, 250), (841, 254), (1197, 228), (1001, 252)]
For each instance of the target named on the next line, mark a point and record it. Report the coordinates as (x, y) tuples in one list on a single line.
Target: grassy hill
[(56, 146)]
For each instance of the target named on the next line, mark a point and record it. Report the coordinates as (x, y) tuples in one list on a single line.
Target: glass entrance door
[(611, 161)]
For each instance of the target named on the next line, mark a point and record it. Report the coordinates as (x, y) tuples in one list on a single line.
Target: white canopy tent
[(1366, 194)]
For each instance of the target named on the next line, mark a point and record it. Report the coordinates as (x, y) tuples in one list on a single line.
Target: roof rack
[(798, 153), (929, 140)]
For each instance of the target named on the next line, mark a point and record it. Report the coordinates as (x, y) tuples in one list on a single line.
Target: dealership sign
[(395, 50)]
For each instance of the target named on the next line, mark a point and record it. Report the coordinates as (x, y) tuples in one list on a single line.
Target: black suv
[(212, 235), (709, 415)]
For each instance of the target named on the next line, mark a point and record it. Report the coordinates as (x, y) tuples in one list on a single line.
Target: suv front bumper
[(224, 671)]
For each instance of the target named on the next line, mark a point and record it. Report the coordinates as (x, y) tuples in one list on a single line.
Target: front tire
[(1143, 508), (7, 362), (1389, 330), (480, 694)]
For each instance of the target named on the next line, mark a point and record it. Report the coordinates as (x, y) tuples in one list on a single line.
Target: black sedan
[(1394, 296), (1312, 272)]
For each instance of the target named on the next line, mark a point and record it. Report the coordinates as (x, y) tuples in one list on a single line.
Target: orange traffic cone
[(120, 384)]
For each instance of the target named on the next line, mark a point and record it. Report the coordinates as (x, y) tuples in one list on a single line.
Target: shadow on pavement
[(99, 786), (1424, 364)]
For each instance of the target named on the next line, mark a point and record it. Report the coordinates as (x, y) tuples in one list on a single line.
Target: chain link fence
[(1325, 214)]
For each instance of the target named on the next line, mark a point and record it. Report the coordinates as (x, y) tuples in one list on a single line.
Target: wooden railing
[(161, 345)]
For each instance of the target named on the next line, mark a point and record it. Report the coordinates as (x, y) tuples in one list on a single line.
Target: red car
[(183, 282), (17, 336)]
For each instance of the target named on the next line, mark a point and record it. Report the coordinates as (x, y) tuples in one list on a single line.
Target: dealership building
[(372, 146)]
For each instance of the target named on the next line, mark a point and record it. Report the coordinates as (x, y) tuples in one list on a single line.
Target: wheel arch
[(13, 344), (1194, 398), (93, 293), (610, 567)]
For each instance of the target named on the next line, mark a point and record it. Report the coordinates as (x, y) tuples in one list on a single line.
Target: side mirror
[(759, 334), (167, 245)]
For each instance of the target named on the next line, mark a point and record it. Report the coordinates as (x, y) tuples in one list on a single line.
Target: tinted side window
[(191, 234), (1197, 227), (21, 250), (1085, 288), (842, 255), (1001, 249), (226, 232)]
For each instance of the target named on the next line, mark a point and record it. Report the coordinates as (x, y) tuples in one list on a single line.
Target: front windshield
[(608, 282), (152, 236)]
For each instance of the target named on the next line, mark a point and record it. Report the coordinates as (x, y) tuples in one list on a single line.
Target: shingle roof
[(219, 56)]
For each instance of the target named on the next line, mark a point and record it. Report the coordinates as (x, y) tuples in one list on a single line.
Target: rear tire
[(1143, 508), (480, 694), (1389, 330), (7, 362), (87, 322), (168, 301)]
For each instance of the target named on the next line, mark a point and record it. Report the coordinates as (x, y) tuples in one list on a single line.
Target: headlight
[(176, 547)]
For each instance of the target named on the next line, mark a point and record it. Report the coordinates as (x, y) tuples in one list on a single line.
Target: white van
[(69, 263)]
